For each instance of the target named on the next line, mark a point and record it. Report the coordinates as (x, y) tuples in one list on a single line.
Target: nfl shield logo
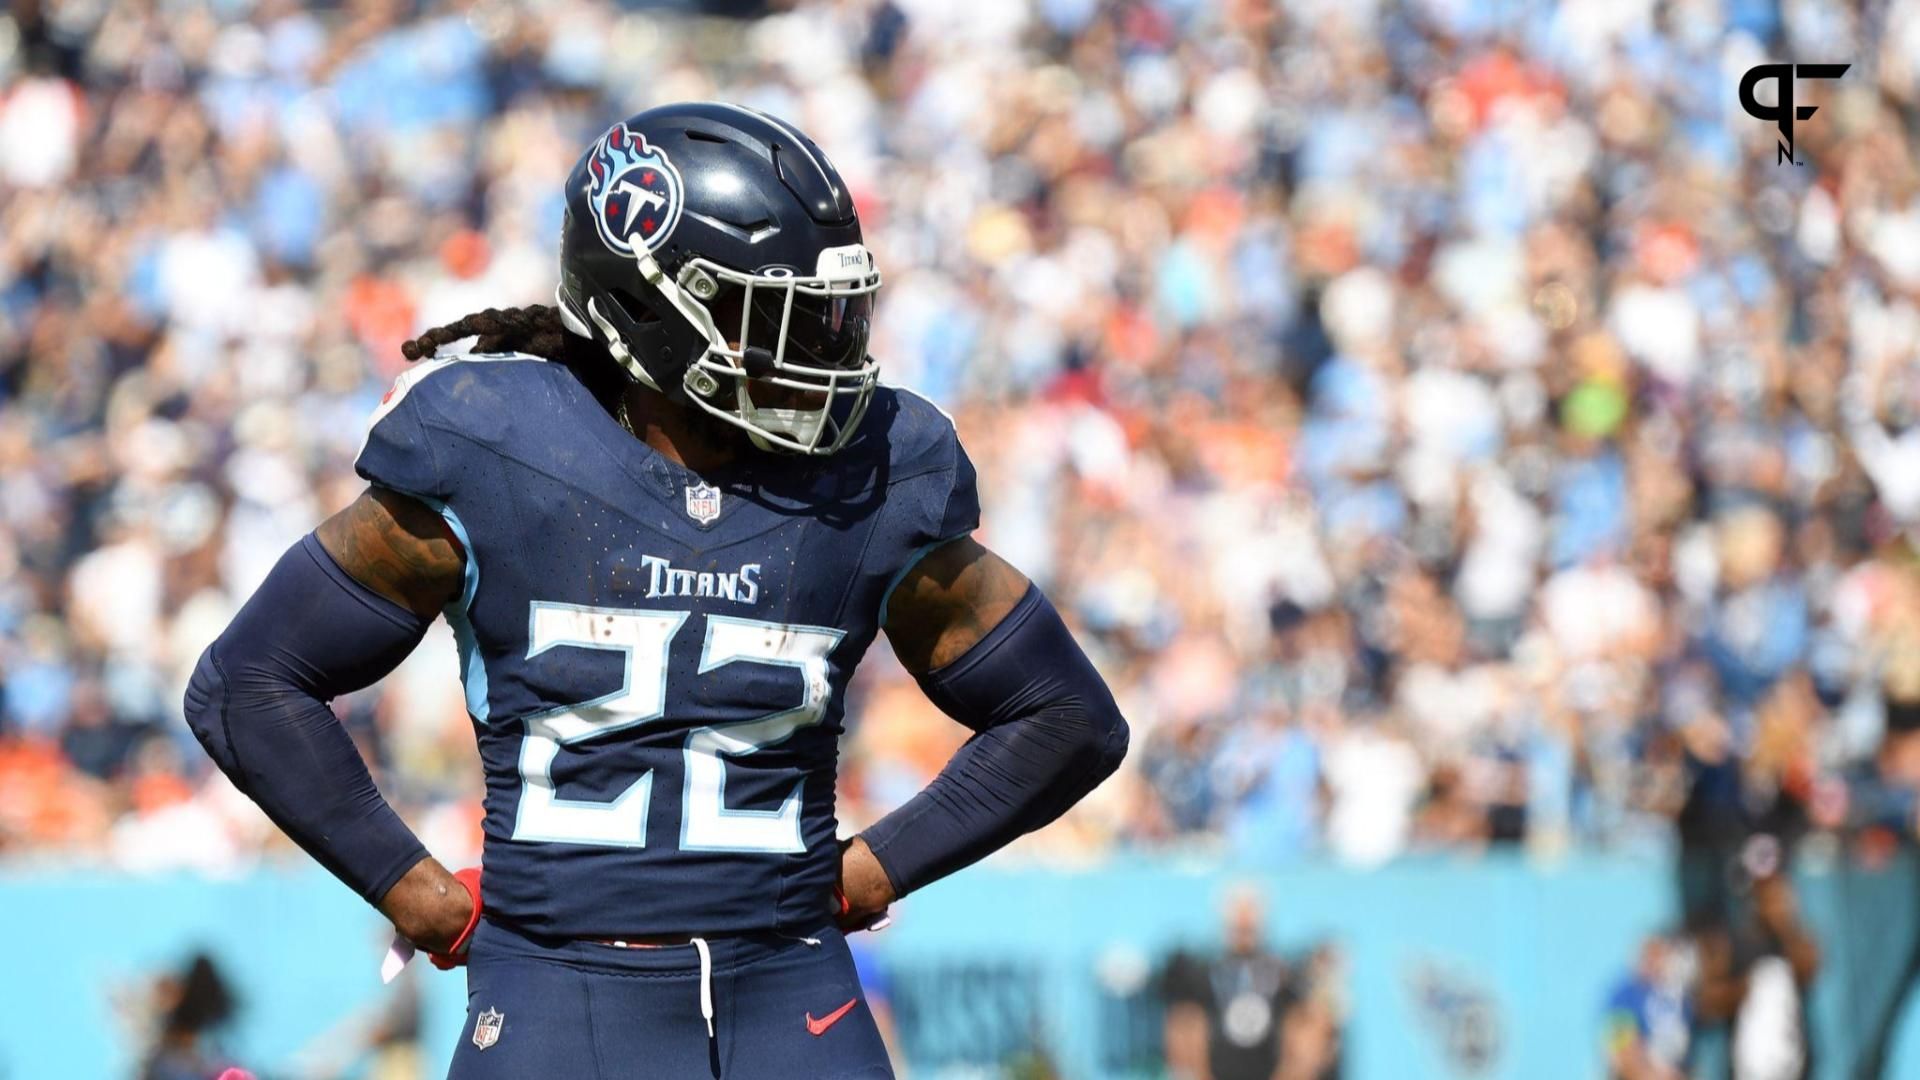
[(486, 1030), (703, 503)]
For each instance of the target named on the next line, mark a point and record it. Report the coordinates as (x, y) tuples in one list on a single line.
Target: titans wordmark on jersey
[(656, 661)]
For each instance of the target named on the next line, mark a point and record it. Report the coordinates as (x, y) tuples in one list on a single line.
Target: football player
[(665, 518)]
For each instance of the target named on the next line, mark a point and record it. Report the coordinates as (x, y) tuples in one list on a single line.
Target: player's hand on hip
[(863, 891), (435, 910)]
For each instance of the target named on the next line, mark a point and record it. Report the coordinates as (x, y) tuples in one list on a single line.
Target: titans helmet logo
[(635, 191)]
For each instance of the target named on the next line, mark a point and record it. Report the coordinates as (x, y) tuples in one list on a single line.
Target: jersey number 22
[(644, 637)]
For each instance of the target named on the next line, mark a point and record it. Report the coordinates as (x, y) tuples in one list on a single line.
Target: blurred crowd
[(1448, 425)]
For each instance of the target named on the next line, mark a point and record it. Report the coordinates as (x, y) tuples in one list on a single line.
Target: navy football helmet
[(711, 247)]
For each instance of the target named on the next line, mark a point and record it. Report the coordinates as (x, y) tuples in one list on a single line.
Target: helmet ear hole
[(631, 304)]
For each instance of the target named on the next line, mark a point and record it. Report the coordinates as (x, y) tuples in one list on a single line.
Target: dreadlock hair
[(535, 330)]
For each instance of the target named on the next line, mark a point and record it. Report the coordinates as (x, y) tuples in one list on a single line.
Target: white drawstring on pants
[(706, 983), (706, 974)]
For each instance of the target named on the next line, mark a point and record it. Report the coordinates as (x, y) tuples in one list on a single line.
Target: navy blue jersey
[(656, 661)]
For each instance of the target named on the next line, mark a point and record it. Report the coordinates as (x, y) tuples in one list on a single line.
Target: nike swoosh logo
[(820, 1026)]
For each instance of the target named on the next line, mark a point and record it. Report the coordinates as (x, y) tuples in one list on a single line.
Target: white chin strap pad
[(800, 425)]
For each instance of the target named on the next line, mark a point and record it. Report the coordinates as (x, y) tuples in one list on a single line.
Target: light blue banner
[(1488, 967)]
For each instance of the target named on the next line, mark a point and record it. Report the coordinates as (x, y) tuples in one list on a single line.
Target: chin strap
[(801, 425)]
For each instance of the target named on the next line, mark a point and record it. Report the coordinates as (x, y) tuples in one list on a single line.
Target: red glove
[(456, 954)]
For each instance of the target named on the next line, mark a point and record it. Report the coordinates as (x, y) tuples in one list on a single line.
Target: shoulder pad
[(480, 396), (920, 435)]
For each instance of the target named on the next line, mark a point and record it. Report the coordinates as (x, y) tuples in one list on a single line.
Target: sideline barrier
[(1491, 967)]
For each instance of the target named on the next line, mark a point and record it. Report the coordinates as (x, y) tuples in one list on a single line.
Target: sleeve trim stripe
[(473, 667)]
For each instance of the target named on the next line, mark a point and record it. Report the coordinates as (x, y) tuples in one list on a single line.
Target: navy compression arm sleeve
[(1048, 733), (258, 703)]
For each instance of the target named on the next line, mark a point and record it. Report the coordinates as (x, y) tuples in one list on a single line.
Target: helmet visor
[(828, 332)]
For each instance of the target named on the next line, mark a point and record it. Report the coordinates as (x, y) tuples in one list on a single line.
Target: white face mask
[(810, 315)]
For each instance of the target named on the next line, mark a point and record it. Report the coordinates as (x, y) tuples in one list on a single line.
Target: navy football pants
[(578, 1010)]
